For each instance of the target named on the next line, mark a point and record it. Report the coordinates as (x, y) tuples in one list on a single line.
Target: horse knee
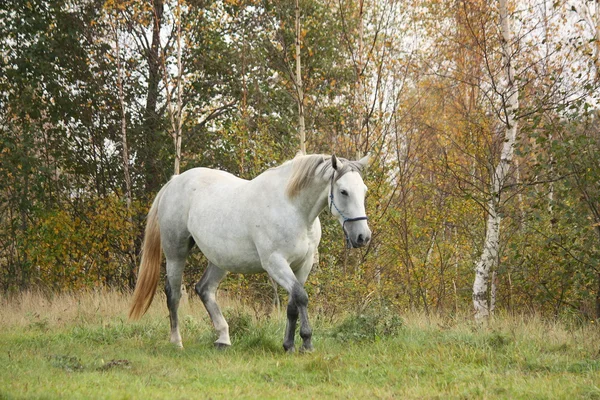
[(299, 296)]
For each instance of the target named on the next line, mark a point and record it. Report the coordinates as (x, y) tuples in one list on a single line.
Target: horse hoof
[(307, 348), (222, 346), (290, 350)]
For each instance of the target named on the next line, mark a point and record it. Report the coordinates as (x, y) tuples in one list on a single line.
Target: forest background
[(481, 119)]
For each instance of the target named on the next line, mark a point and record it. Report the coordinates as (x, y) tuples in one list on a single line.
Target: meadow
[(83, 346)]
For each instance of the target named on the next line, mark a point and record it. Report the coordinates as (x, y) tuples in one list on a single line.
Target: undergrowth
[(370, 325)]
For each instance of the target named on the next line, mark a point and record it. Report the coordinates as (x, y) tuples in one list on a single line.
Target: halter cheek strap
[(346, 219)]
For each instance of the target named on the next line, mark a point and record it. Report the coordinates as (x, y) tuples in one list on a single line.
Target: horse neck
[(312, 199)]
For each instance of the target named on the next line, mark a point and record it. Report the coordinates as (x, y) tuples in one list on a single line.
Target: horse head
[(347, 200)]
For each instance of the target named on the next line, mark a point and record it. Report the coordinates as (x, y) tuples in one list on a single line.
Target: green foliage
[(240, 323), (368, 326), (556, 251), (90, 248)]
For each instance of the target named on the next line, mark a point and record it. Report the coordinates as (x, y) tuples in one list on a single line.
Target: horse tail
[(149, 271)]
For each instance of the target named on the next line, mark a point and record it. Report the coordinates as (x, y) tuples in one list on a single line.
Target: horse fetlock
[(223, 337), (289, 347), (176, 340)]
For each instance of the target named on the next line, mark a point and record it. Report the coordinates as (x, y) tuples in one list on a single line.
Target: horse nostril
[(360, 239)]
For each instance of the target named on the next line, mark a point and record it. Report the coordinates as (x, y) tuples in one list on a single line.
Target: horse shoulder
[(314, 232)]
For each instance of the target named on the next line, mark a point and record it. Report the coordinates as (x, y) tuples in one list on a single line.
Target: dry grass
[(95, 307), (65, 309)]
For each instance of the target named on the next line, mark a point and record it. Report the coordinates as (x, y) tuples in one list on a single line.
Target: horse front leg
[(278, 268), (290, 328), (305, 329), (300, 298)]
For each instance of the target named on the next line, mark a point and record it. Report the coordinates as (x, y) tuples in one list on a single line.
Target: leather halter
[(346, 219)]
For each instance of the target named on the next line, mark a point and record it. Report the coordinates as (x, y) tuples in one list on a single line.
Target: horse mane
[(305, 169)]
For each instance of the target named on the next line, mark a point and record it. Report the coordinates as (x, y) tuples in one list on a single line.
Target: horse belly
[(221, 236), (230, 255)]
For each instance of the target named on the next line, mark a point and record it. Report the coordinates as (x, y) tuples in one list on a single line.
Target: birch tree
[(121, 96), (175, 111), (510, 101), (589, 12), (114, 23), (298, 81)]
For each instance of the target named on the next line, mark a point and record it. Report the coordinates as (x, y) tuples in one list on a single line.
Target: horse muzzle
[(360, 241), (358, 235)]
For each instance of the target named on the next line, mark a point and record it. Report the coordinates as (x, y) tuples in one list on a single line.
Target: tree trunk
[(127, 270), (359, 95), (150, 135), (597, 41), (175, 114), (178, 120), (489, 255), (299, 85), (125, 148)]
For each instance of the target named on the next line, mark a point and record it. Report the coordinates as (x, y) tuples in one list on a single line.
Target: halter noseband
[(346, 219)]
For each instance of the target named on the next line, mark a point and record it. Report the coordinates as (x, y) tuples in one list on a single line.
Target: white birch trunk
[(299, 85), (359, 97), (175, 116), (124, 146), (493, 292), (178, 122), (489, 255), (597, 42), (592, 19), (300, 99)]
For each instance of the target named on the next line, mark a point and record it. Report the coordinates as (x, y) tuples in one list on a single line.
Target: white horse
[(268, 224)]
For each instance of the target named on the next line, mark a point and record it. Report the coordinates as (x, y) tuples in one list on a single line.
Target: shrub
[(368, 326)]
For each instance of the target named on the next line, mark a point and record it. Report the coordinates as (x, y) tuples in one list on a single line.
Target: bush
[(369, 326)]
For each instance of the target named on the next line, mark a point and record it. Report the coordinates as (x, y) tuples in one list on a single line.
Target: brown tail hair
[(149, 271)]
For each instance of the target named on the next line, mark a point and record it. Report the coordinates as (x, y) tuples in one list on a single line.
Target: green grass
[(85, 348)]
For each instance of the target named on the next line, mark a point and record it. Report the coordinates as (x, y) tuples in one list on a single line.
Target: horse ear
[(335, 163), (365, 161)]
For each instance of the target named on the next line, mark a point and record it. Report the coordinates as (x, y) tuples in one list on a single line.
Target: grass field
[(83, 347)]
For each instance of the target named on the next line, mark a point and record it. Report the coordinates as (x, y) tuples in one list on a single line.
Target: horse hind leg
[(173, 294), (207, 289)]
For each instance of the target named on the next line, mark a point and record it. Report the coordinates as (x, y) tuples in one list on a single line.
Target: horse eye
[(343, 192)]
